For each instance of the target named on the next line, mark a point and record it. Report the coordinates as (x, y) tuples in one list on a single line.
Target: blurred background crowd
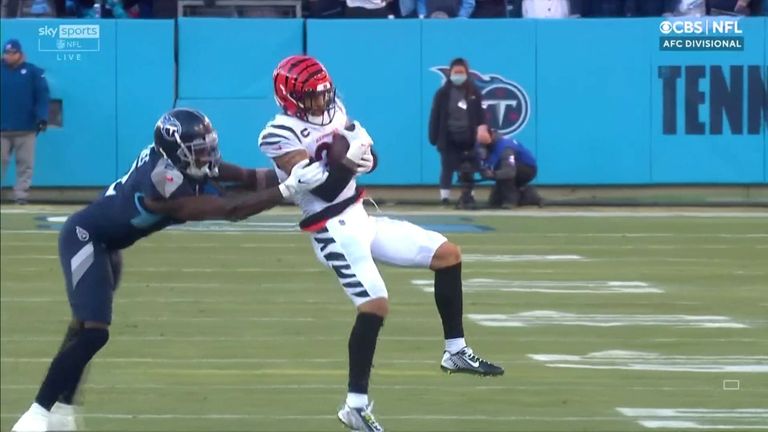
[(380, 8)]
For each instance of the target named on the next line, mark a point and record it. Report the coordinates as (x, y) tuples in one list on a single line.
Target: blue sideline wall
[(596, 100)]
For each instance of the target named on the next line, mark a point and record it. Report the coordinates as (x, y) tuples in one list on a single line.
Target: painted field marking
[(543, 317), (519, 258), (645, 361), (699, 418), (314, 338), (731, 384), (545, 286), (442, 387), (137, 416)]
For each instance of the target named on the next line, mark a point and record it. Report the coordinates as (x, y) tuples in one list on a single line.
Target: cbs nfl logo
[(701, 34)]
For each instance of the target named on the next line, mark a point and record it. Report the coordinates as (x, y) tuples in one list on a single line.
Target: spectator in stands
[(648, 8), (368, 9), (605, 8), (23, 114), (437, 8), (551, 8), (688, 8), (456, 123), (490, 9), (103, 8), (731, 7)]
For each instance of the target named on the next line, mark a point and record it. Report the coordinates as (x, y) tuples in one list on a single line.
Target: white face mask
[(458, 78)]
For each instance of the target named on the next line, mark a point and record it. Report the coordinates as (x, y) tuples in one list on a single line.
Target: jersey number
[(143, 157), (321, 152)]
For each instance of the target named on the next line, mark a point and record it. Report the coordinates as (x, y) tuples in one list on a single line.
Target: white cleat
[(63, 418), (34, 420), (359, 419)]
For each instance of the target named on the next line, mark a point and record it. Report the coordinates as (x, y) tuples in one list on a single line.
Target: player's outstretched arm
[(304, 176), (250, 179)]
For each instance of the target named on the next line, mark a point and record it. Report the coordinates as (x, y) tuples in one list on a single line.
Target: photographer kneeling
[(513, 167)]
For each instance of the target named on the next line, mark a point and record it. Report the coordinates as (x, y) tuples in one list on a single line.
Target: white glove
[(303, 177), (366, 163), (359, 142)]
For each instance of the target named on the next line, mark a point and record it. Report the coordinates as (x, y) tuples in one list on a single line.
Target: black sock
[(68, 397), (362, 345), (68, 365), (448, 297)]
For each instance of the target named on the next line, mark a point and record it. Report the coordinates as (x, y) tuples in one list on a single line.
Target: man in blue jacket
[(513, 167), (23, 114)]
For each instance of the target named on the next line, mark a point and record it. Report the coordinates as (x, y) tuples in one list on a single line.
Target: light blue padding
[(239, 122), (145, 219), (83, 152), (596, 99), (145, 83), (376, 68), (593, 90), (708, 158), (233, 58)]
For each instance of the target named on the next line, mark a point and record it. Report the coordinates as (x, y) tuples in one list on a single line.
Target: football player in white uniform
[(347, 240)]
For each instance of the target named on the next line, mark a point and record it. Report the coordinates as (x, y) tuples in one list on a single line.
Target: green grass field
[(610, 323)]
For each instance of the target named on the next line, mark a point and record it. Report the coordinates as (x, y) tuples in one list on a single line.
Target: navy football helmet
[(187, 138)]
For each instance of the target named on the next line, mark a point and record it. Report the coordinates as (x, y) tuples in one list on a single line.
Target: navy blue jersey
[(118, 218)]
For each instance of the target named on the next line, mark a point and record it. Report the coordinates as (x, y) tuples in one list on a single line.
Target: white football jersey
[(284, 134)]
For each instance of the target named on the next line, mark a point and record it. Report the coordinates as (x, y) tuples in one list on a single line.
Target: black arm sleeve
[(339, 176)]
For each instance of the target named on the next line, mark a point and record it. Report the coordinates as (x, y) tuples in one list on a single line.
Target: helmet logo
[(170, 127)]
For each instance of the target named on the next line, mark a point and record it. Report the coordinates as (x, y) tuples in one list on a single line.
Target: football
[(338, 148)]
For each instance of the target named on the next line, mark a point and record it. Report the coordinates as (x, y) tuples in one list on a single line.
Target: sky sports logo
[(702, 34), (69, 38), (79, 31)]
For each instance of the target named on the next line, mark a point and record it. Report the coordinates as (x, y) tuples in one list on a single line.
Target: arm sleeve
[(339, 176), (42, 96)]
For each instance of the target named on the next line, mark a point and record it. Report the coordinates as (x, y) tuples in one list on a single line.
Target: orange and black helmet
[(303, 89)]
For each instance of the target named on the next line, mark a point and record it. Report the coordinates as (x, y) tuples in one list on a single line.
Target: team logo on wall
[(506, 104)]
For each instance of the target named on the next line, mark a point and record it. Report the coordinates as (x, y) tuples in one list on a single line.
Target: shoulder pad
[(166, 178)]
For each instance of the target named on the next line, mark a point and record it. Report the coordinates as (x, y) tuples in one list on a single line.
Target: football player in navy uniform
[(168, 184)]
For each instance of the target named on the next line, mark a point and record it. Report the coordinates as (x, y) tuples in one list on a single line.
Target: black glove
[(42, 125)]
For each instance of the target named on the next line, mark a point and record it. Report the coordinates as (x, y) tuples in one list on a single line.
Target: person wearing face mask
[(456, 123)]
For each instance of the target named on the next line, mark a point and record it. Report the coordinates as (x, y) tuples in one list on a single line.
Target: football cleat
[(359, 419), (34, 420), (465, 361), (63, 418)]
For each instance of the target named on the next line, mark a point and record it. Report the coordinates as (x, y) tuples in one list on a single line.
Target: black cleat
[(465, 361)]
